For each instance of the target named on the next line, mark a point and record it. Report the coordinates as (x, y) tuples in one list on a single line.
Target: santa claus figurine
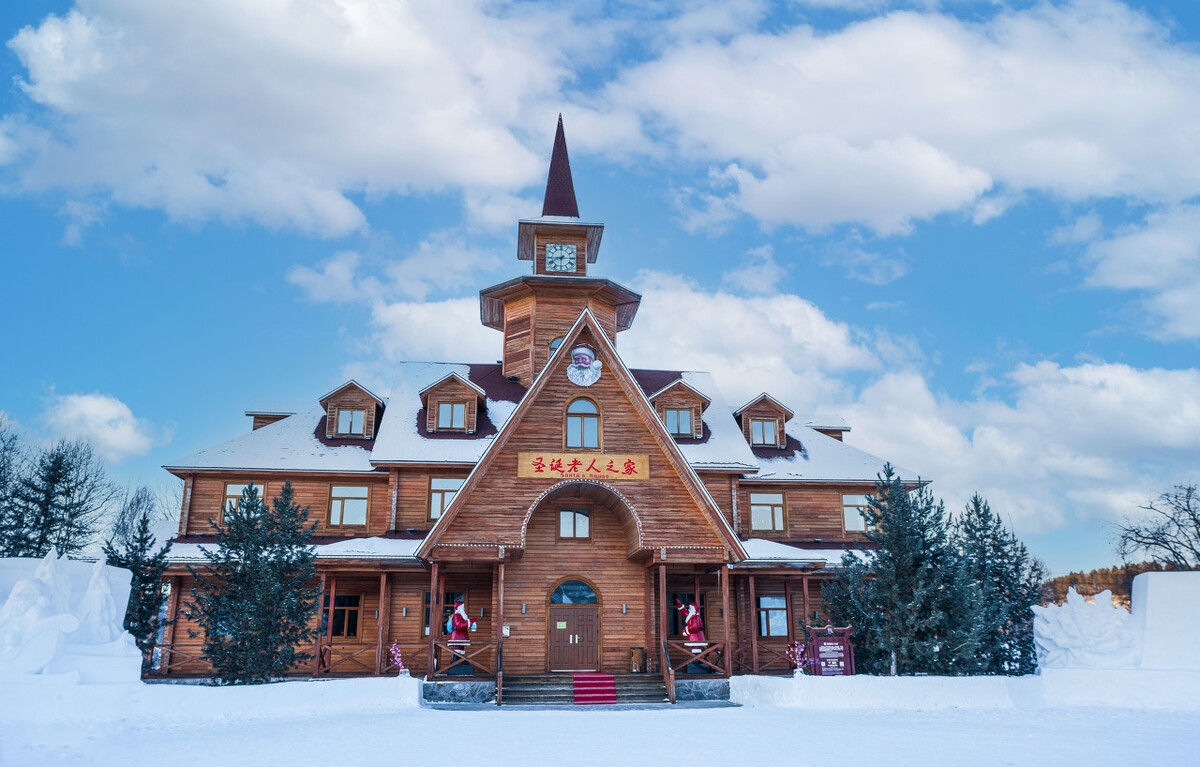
[(693, 627), (460, 624)]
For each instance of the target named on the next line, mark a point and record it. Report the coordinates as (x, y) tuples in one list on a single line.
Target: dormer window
[(762, 432), (583, 424), (452, 415), (678, 421), (351, 422)]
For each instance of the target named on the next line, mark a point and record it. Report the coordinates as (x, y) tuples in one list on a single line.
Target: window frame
[(453, 406), (762, 442), (679, 431), (352, 411), (262, 495), (329, 617), (762, 623), (598, 416), (342, 514), (861, 507), (441, 492), (576, 511), (778, 511)]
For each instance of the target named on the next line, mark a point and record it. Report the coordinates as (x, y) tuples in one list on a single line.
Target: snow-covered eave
[(259, 470)]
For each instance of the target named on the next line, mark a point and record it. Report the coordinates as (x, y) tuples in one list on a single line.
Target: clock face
[(560, 257)]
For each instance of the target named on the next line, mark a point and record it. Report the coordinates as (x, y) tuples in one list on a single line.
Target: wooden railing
[(170, 659), (712, 656), (458, 654), (668, 672), (331, 658), (772, 659)]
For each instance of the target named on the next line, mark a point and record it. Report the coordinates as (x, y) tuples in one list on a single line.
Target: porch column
[(787, 599), (175, 583), (804, 587), (435, 612), (724, 575), (385, 620), (753, 627), (662, 607), (317, 642)]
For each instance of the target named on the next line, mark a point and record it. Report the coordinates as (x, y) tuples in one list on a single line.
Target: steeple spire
[(560, 190)]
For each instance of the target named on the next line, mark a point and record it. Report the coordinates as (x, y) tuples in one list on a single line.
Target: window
[(762, 432), (573, 593), (574, 523), (233, 496), (675, 618), (452, 415), (441, 492), (772, 617), (351, 421), (854, 518), (345, 616), (583, 424), (766, 511), (557, 342), (679, 422), (447, 608), (348, 505)]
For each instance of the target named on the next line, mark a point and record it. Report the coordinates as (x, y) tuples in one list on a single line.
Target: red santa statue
[(693, 627), (460, 624)]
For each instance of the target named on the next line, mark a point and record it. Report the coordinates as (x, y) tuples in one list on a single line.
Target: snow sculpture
[(51, 625), (1081, 634)]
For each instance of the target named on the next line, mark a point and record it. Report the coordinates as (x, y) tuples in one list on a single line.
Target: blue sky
[(971, 228)]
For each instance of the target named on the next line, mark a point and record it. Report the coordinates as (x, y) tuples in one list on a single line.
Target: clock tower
[(535, 311)]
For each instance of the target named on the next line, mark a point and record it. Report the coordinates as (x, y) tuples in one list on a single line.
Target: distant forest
[(1117, 579)]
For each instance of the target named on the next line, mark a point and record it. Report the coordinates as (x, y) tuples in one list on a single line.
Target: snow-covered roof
[(815, 457), (760, 551), (351, 548), (827, 421), (290, 444), (725, 446), (401, 436)]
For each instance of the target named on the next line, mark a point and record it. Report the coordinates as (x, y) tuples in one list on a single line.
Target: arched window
[(573, 593), (557, 342), (583, 424)]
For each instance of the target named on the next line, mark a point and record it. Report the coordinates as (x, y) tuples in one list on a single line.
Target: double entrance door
[(574, 638)]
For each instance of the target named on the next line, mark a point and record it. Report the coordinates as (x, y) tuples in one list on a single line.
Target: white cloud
[(863, 265), (104, 420), (757, 273), (336, 282), (275, 112), (907, 115), (1160, 258)]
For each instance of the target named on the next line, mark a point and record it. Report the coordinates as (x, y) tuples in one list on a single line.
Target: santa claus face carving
[(584, 369)]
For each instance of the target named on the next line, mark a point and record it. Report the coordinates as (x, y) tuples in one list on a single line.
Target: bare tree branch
[(1171, 534)]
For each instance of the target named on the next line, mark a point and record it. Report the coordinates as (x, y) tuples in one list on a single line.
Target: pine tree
[(59, 502), (143, 615), (11, 527), (1009, 584), (911, 608), (254, 600)]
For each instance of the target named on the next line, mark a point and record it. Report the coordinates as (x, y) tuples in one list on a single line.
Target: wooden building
[(567, 499)]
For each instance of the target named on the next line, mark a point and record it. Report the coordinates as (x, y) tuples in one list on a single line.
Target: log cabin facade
[(567, 499)]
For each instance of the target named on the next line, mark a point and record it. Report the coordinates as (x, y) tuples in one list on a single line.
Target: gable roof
[(811, 456), (325, 400), (560, 188), (646, 412), (770, 399), (447, 377), (705, 401)]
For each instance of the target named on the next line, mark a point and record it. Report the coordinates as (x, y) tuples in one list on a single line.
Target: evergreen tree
[(911, 608), (143, 615), (11, 527), (59, 502), (254, 600), (1009, 583)]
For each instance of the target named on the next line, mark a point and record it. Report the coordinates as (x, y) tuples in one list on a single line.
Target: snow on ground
[(372, 721)]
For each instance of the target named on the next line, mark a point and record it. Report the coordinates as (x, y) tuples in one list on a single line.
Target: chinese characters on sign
[(583, 466)]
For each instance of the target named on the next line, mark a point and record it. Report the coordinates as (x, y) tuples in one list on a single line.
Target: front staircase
[(559, 690)]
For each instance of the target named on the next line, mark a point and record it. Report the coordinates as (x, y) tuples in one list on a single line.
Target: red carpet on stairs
[(594, 688)]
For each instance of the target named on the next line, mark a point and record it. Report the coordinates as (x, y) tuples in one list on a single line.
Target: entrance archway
[(573, 631)]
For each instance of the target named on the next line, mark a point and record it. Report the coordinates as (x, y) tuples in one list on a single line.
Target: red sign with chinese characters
[(583, 466)]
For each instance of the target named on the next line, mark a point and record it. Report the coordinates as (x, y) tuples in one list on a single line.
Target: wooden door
[(574, 641)]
